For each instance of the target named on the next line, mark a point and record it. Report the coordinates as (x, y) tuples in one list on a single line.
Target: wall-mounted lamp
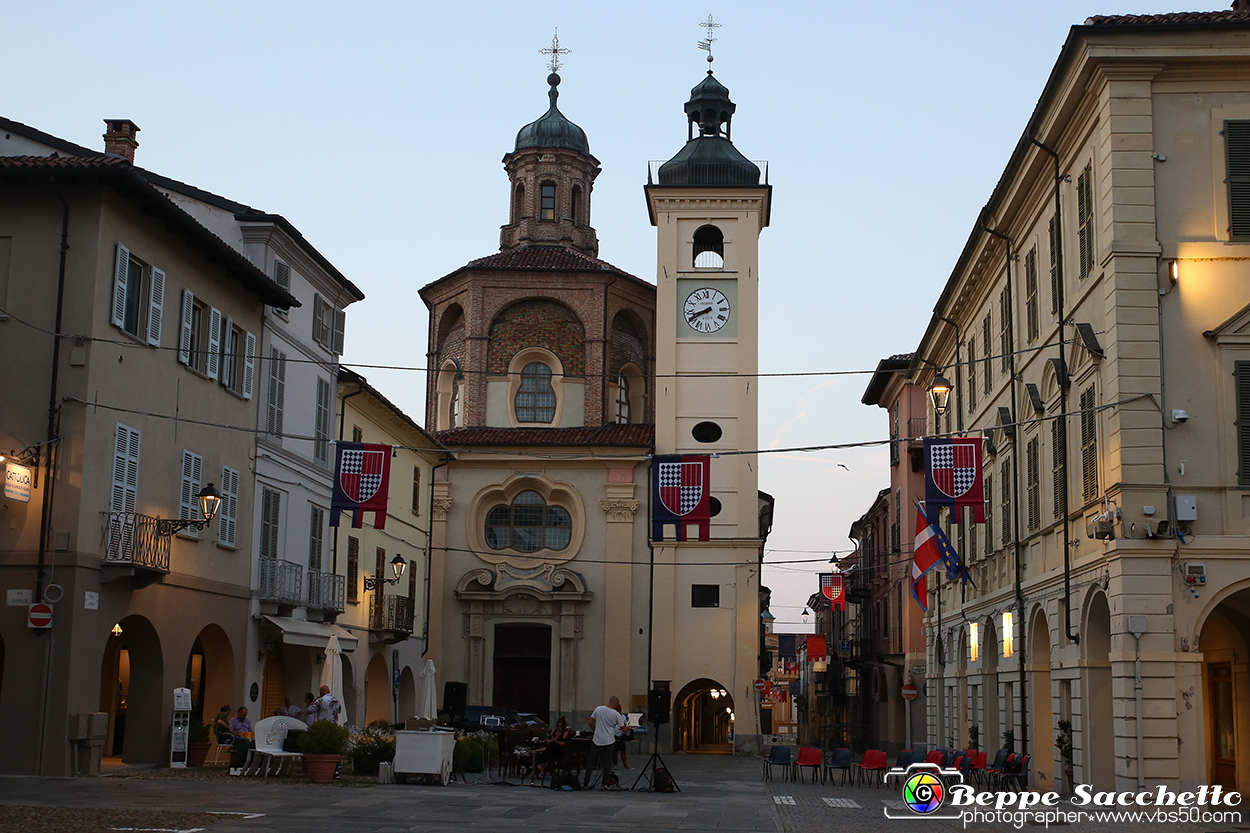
[(806, 615), (117, 629), (397, 567), (940, 394), (974, 641), (1009, 639), (210, 502), (266, 647), (1174, 271)]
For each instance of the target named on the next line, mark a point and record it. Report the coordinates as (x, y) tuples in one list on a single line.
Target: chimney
[(1241, 5), (120, 139)]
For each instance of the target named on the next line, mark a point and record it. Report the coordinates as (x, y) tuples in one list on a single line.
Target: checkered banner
[(833, 589), (681, 495), (361, 476), (953, 474)]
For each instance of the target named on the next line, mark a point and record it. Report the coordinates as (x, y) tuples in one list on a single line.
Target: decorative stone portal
[(503, 609)]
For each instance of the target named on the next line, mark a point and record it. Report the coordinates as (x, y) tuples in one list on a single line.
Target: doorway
[(704, 718), (132, 682), (522, 668)]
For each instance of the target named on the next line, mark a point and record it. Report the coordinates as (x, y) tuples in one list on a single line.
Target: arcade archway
[(703, 717), (1224, 641), (210, 673), (377, 690), (132, 675), (407, 694), (1098, 735), (1043, 739)]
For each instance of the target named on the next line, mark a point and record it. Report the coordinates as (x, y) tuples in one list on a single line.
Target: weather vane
[(555, 51), (706, 44)]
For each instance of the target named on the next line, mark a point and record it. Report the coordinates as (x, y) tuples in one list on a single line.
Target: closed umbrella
[(427, 703), (332, 674)]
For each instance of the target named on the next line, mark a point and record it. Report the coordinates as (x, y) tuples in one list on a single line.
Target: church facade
[(555, 378)]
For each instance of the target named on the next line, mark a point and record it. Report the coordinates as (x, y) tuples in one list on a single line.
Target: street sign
[(910, 692), (760, 685), (17, 480), (40, 616)]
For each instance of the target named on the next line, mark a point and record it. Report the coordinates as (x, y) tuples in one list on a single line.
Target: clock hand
[(700, 313)]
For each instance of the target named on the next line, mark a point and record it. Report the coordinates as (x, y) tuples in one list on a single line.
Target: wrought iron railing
[(394, 614), (326, 591), (135, 540), (280, 581)]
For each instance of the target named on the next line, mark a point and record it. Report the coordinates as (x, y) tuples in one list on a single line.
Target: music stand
[(652, 763)]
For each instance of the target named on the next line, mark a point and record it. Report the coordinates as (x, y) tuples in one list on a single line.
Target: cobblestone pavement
[(718, 793)]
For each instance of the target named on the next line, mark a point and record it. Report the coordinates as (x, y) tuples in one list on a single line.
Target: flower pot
[(1067, 777), (320, 768), (197, 752)]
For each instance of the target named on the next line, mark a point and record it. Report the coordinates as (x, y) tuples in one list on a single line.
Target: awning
[(311, 634)]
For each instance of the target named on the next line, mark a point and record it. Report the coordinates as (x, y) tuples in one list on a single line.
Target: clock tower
[(709, 204)]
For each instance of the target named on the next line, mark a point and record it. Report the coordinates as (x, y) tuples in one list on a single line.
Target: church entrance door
[(523, 668)]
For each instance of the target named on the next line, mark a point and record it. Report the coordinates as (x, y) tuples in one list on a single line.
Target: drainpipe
[(1137, 627), (1063, 400), (429, 551), (1015, 481), (342, 416)]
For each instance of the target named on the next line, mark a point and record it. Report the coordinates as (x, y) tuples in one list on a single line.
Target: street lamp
[(210, 501), (940, 394), (397, 567), (806, 615)]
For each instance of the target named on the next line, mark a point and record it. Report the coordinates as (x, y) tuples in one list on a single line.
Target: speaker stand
[(648, 770)]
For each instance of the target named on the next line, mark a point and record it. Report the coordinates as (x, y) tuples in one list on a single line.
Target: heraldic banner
[(952, 475), (833, 588), (362, 474), (681, 495)]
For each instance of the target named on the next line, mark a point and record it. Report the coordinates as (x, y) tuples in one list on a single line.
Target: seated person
[(554, 749), (221, 726), (240, 726)]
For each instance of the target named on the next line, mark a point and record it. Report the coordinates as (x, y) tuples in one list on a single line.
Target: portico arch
[(703, 716), (1042, 711), (1097, 724), (1224, 639), (132, 675)]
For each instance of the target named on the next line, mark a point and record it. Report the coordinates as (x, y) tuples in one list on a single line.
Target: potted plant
[(974, 737), (198, 743), (1063, 742), (323, 744), (1009, 741), (373, 747)]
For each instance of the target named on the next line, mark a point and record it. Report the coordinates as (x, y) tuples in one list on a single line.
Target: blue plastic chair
[(778, 756), (838, 759)]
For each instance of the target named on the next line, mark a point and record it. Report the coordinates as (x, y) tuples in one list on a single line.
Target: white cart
[(424, 752)]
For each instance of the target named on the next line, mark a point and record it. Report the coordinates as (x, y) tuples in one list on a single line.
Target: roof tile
[(63, 162), (1171, 18), (545, 259)]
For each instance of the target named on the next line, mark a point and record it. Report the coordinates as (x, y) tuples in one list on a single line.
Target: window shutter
[(249, 365), (353, 569), (228, 358), (321, 446), (156, 306), (317, 318), (1004, 323), (1035, 498), (125, 469), (184, 334), (989, 513), (212, 362), (1004, 485), (985, 348), (192, 475), (340, 321), (270, 509), (121, 275), (972, 375), (1089, 446), (1085, 219), (416, 490), (1054, 267), (316, 523), (1030, 277), (228, 512), (1237, 149), (277, 390), (282, 275), (1058, 453)]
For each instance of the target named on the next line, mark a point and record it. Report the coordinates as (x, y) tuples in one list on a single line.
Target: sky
[(377, 129)]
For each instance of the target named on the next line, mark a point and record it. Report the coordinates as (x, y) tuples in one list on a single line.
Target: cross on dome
[(555, 51), (706, 44)]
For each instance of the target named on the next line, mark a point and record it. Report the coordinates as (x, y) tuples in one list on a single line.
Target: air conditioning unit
[(1195, 573)]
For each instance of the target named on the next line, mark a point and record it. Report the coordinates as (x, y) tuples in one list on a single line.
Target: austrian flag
[(362, 474)]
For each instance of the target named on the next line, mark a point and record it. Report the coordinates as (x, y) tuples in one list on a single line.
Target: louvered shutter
[(318, 323), (340, 323), (184, 334), (277, 390), (228, 512), (270, 508), (989, 513), (1030, 277), (1004, 336), (282, 275), (229, 361), (121, 275), (192, 474), (156, 306), (316, 525), (1004, 485), (1054, 267), (211, 363), (125, 469), (353, 568), (1034, 473), (249, 365), (985, 348), (1241, 374), (1058, 453), (1089, 445), (1237, 150), (1085, 219), (321, 428)]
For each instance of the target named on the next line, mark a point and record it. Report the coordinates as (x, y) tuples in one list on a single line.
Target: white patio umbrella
[(332, 674), (427, 701)]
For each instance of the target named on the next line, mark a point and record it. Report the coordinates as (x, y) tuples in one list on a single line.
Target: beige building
[(1094, 328), (385, 615), (120, 425)]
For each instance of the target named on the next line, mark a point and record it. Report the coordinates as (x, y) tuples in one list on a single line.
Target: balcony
[(326, 591), (280, 581), (394, 614), (132, 540), (917, 427)]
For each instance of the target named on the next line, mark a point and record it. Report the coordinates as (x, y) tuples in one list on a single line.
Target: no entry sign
[(40, 616), (760, 685)]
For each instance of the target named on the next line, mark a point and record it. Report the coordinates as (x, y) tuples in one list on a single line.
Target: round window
[(713, 507), (706, 432)]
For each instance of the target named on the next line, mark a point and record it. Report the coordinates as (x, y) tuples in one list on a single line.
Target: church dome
[(553, 130), (709, 158)]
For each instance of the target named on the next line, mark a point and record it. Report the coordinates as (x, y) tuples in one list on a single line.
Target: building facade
[(1093, 327)]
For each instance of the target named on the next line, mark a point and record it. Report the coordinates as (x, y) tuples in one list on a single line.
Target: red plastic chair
[(934, 757), (873, 764), (979, 760), (809, 756)]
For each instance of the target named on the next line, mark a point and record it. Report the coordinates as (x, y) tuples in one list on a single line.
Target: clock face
[(707, 310)]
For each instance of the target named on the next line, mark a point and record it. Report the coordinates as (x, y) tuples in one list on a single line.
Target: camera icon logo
[(924, 788)]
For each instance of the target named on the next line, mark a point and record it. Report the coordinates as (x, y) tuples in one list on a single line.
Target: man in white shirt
[(605, 720), (326, 707)]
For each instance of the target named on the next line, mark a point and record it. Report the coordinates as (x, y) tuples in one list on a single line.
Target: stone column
[(440, 634), (618, 583)]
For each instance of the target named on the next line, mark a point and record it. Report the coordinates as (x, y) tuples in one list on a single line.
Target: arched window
[(453, 407), (709, 248), (547, 205), (536, 400), (622, 399), (528, 524), (518, 205)]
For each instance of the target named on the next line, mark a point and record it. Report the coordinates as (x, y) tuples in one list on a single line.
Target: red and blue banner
[(681, 495), (362, 475), (832, 587), (952, 475)]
